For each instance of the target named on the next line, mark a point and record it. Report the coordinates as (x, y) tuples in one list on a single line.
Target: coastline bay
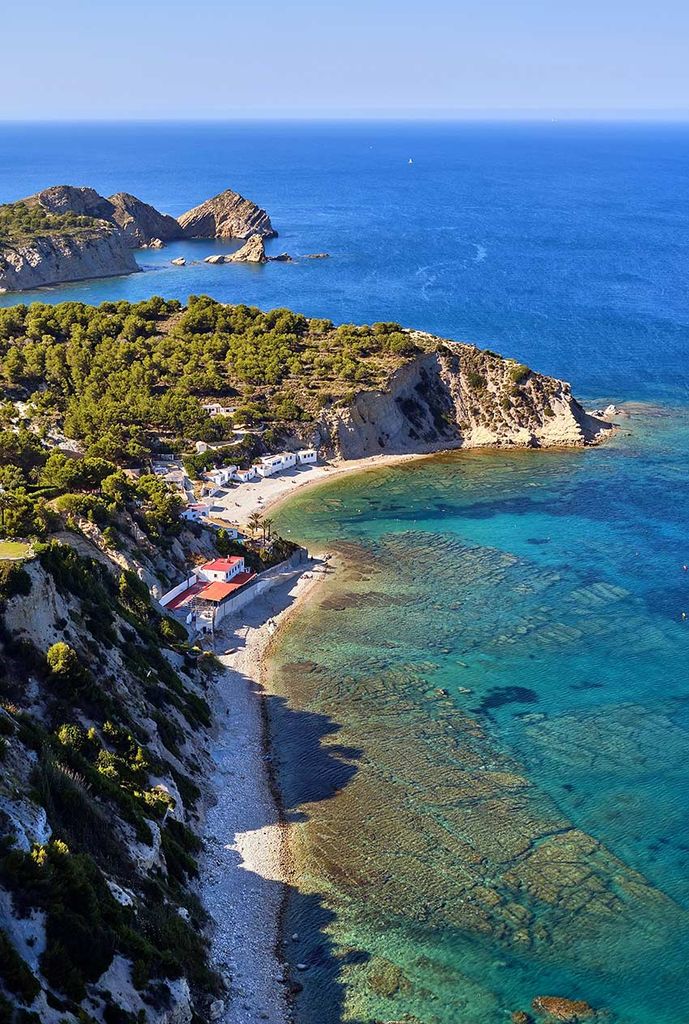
[(460, 853), (504, 815)]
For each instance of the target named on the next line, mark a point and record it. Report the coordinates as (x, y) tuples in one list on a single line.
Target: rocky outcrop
[(53, 259), (459, 396), (85, 202), (139, 222), (571, 1011), (227, 215), (122, 222), (253, 251)]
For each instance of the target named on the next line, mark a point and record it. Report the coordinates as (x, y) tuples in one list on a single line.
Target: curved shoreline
[(246, 865), (260, 967)]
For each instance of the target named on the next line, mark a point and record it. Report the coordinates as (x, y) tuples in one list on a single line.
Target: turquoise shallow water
[(496, 613)]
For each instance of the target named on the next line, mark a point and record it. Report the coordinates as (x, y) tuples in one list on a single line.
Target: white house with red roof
[(204, 597), (221, 570)]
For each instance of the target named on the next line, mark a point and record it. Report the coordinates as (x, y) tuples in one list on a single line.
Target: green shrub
[(518, 372), (15, 973), (14, 580), (475, 380)]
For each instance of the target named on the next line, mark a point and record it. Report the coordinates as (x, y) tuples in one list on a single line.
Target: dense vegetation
[(95, 769), (121, 376), (127, 380), (20, 222)]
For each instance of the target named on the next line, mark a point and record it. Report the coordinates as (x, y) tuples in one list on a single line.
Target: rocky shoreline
[(119, 224)]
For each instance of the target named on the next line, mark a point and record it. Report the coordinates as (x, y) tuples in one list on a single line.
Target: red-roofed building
[(221, 570), (214, 601), (206, 596), (217, 592)]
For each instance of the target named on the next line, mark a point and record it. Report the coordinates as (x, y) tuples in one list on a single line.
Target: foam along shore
[(244, 867)]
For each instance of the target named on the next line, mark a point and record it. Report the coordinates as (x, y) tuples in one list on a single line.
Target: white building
[(195, 513), (223, 475), (271, 464), (216, 409), (244, 475), (306, 455), (221, 570)]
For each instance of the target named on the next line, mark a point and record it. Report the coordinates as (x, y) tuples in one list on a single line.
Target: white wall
[(171, 594)]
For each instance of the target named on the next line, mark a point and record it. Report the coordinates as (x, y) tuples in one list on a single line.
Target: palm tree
[(267, 525), (254, 522)]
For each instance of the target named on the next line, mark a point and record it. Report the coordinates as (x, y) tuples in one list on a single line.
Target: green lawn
[(14, 549)]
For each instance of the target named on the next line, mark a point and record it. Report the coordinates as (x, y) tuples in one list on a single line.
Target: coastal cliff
[(67, 233), (459, 396), (53, 258), (103, 737)]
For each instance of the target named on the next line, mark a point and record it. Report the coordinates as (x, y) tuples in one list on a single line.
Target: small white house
[(306, 455), (271, 464), (221, 476), (195, 513), (216, 409), (244, 475), (221, 570)]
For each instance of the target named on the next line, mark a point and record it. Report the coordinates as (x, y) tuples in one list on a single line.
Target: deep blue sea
[(482, 733)]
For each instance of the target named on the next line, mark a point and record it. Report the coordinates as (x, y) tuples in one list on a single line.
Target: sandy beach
[(245, 863), (266, 494)]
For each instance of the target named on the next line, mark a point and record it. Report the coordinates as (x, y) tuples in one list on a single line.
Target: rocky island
[(227, 215), (65, 233)]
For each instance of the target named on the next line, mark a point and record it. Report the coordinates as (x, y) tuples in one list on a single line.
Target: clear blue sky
[(286, 58)]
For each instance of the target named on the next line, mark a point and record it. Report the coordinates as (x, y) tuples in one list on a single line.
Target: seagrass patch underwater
[(501, 805)]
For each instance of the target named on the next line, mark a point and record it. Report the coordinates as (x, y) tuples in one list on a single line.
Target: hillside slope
[(104, 725)]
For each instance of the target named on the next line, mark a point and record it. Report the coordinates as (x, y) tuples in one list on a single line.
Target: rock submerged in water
[(178, 262), (227, 215), (570, 1011)]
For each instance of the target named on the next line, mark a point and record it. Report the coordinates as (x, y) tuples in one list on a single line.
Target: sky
[(169, 59)]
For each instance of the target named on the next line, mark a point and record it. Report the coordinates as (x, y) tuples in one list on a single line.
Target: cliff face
[(104, 750), (141, 222), (138, 221), (53, 259), (227, 215), (460, 397)]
